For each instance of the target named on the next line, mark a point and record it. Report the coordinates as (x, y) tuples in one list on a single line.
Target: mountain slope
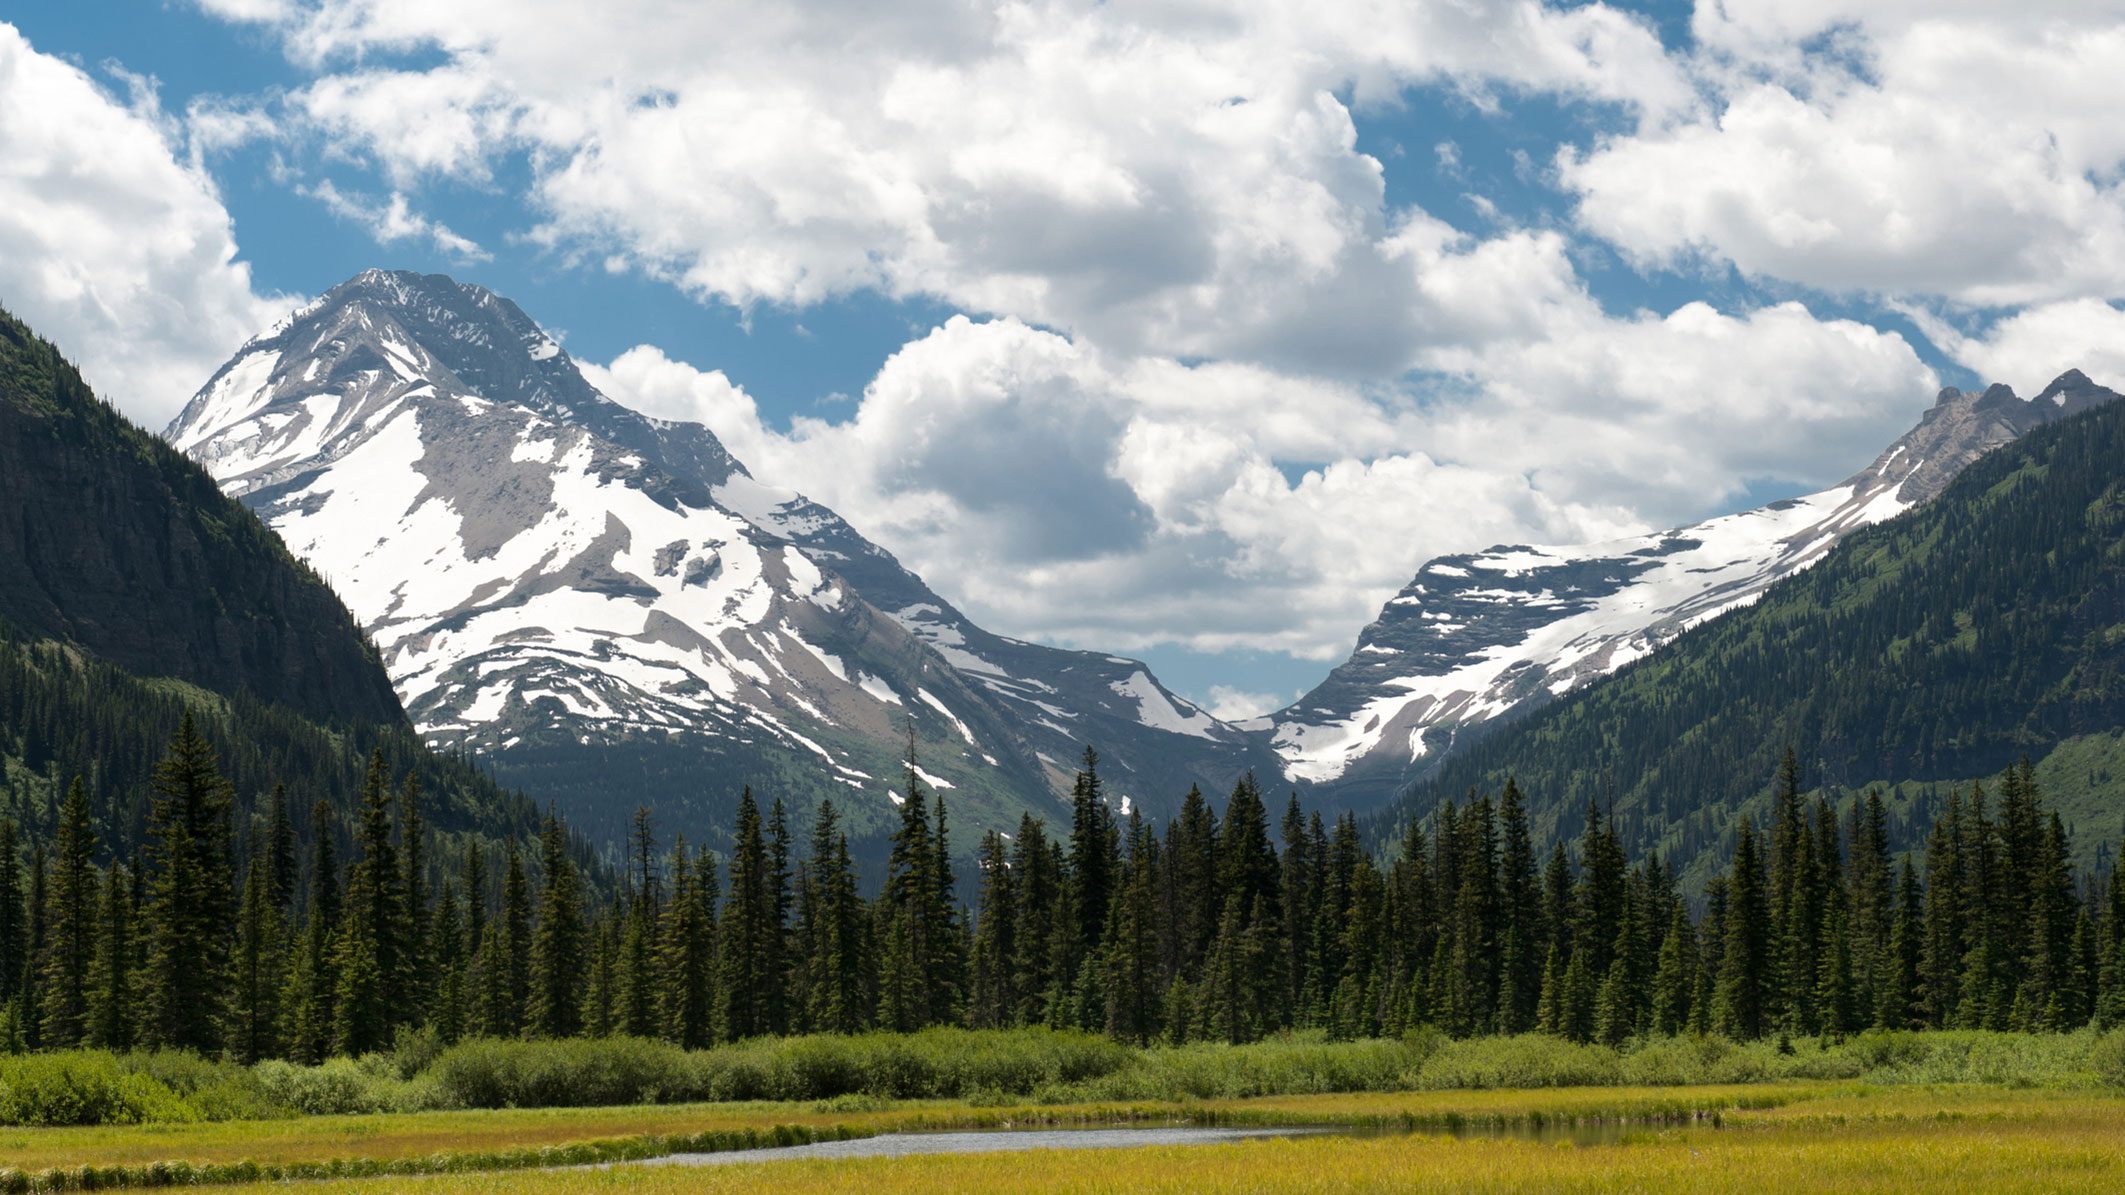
[(117, 543), (1480, 638), (132, 591), (1940, 646), (613, 610)]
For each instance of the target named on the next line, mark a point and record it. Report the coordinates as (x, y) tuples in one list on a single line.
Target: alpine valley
[(613, 611)]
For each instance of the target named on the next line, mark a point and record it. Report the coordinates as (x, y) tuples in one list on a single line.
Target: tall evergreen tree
[(1131, 981), (313, 985), (253, 1032), (70, 925), (686, 951), (839, 988), (747, 941), (992, 993), (113, 1013), (1745, 967), (14, 925), (191, 897), (559, 944)]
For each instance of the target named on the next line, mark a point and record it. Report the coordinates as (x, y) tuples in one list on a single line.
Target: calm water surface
[(900, 1145)]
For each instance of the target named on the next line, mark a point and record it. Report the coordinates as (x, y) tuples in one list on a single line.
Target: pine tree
[(635, 997), (744, 977), (313, 982), (1675, 982), (1739, 1005), (449, 1011), (253, 1031), (1131, 978), (1037, 875), (368, 956), (1094, 853), (686, 951), (558, 944), (190, 914), (992, 996), (280, 851), (14, 926), (1897, 995), (1194, 899), (1523, 939), (69, 918), (113, 1016), (838, 986), (915, 930), (415, 980), (1228, 1007), (781, 901)]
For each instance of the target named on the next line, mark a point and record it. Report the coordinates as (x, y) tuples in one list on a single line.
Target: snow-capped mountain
[(615, 611), (1474, 638)]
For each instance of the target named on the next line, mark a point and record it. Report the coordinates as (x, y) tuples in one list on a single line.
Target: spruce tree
[(253, 1032), (635, 995), (314, 984), (14, 925), (190, 915), (744, 976), (1675, 982), (1131, 978), (113, 1012), (1898, 998), (838, 987), (686, 951), (1094, 853), (70, 926), (1523, 939), (415, 980), (1739, 1005), (992, 994), (559, 946), (281, 877)]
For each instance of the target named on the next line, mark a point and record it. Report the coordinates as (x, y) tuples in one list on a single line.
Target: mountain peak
[(1481, 636)]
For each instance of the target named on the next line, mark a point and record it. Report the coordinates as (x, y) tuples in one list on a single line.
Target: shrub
[(86, 1087), (1529, 1060), (2107, 1058), (543, 1074), (336, 1087)]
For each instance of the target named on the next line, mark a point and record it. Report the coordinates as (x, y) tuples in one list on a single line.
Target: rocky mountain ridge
[(614, 601), (1478, 638)]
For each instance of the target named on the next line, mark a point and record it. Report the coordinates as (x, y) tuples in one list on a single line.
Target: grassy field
[(1761, 1137)]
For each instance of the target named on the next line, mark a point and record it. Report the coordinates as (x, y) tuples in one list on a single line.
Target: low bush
[(84, 1087), (544, 1074), (2107, 1058), (1528, 1060)]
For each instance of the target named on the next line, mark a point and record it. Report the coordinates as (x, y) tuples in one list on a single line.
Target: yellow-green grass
[(406, 1136), (393, 1136), (1847, 1141)]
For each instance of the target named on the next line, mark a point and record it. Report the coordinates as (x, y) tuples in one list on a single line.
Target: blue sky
[(1564, 277)]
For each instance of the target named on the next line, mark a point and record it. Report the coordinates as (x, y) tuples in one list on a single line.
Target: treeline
[(1209, 930)]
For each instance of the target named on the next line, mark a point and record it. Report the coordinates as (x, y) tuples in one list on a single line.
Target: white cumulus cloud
[(110, 245)]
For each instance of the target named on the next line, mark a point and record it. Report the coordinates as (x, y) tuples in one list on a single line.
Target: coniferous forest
[(219, 937)]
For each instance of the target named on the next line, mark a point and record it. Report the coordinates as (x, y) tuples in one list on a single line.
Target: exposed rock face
[(1481, 637), (565, 584), (115, 542)]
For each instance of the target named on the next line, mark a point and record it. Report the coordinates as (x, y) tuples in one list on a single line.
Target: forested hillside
[(115, 542), (132, 591), (1940, 647)]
